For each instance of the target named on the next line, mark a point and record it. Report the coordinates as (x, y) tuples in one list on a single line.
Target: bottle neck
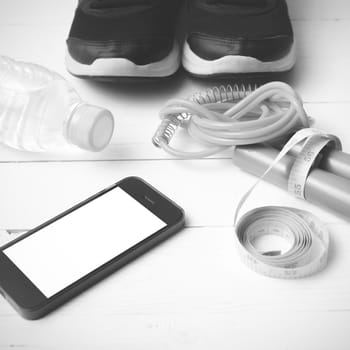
[(68, 125)]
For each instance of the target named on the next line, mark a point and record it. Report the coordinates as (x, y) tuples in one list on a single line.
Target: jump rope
[(227, 116)]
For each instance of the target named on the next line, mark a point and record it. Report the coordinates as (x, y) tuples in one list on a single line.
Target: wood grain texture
[(192, 292)]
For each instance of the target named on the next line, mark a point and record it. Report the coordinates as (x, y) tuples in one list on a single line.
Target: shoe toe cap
[(210, 47), (139, 51)]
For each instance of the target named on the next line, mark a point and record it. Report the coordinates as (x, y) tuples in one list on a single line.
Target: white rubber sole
[(121, 67), (234, 64)]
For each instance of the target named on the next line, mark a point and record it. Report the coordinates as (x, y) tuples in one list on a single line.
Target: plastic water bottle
[(40, 111)]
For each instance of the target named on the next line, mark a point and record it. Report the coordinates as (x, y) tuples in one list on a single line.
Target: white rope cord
[(269, 112)]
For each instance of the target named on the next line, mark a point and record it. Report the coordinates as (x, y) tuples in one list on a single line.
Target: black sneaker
[(123, 38), (238, 36)]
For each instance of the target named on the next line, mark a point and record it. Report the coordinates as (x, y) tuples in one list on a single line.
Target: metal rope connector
[(168, 127)]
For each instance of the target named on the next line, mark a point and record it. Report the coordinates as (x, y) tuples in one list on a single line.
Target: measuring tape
[(307, 236)]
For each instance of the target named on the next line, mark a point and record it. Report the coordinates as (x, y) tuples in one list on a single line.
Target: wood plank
[(192, 291), (208, 190)]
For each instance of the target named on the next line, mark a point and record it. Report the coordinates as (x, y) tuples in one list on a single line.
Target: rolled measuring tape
[(308, 237)]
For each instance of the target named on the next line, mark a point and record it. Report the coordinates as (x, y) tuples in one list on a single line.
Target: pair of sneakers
[(138, 38)]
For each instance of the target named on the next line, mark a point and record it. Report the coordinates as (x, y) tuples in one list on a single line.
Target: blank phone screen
[(80, 242)]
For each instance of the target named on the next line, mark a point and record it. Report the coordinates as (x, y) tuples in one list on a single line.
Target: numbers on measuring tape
[(297, 190), (309, 156)]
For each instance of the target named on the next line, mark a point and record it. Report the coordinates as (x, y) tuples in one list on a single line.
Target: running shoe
[(238, 36), (123, 38)]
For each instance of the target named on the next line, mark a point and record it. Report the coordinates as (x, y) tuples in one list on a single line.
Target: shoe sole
[(234, 64), (110, 68)]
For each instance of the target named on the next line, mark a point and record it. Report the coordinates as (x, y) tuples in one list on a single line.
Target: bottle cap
[(90, 127)]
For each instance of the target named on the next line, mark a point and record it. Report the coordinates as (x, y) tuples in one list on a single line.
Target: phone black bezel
[(31, 303)]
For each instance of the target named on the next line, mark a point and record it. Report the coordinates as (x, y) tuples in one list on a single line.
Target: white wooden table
[(192, 292)]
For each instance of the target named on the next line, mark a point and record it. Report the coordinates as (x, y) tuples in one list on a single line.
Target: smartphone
[(65, 255)]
